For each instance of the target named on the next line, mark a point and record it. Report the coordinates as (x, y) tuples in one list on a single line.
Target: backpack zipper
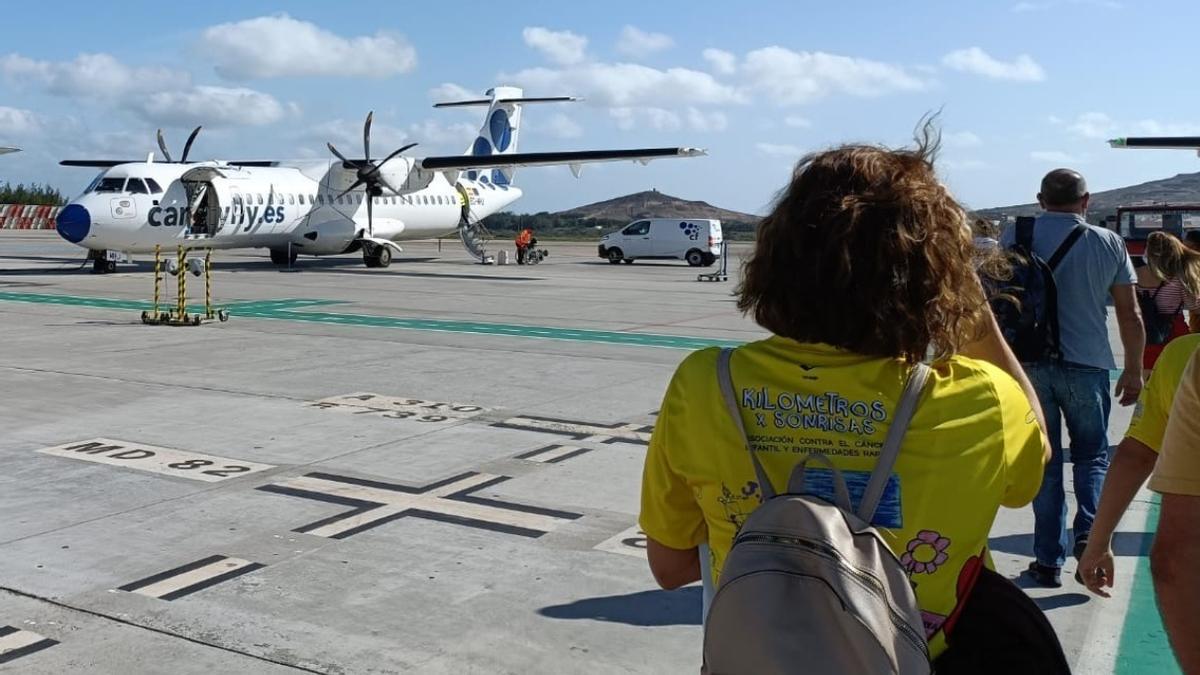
[(868, 581)]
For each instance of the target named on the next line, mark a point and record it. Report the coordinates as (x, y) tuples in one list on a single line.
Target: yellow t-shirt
[(973, 444), (1178, 469), (1154, 404)]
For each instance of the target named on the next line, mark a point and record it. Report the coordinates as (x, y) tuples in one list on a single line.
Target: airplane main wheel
[(280, 256), (384, 256)]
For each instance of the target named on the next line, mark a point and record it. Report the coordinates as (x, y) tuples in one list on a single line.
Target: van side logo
[(692, 230)]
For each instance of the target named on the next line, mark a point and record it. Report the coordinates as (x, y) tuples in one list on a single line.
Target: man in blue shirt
[(1074, 390)]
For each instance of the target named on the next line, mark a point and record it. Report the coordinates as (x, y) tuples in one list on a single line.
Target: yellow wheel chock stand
[(178, 314)]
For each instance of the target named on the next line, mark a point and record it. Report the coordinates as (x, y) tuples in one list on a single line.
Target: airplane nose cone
[(73, 223)]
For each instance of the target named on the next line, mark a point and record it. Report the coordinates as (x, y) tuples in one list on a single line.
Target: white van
[(698, 241)]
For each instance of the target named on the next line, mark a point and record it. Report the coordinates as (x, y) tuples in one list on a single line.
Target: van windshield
[(638, 228)]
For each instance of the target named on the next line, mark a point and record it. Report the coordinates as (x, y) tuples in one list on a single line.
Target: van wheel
[(694, 258), (615, 255), (709, 259)]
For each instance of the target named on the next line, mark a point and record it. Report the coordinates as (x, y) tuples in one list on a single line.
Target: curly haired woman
[(865, 267)]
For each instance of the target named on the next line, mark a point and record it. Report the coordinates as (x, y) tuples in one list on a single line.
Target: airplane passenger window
[(111, 185), (339, 199), (154, 188), (292, 199), (136, 186), (260, 199)]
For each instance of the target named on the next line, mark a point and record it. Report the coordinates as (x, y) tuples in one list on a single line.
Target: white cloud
[(797, 122), (779, 150), (93, 76), (638, 43), (18, 122), (795, 78), (280, 46), (978, 62), (436, 133), (961, 139), (698, 120), (1093, 125), (562, 47), (156, 94), (659, 119), (1054, 157), (559, 125), (1157, 128), (210, 106), (721, 61), (449, 91), (628, 84), (346, 136), (962, 164)]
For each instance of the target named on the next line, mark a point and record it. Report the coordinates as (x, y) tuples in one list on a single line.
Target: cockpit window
[(110, 185), (154, 188), (136, 186)]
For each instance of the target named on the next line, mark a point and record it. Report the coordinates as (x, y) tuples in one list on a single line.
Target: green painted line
[(289, 310), (1144, 647)]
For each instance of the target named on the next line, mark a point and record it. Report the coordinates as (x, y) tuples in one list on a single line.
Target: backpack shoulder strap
[(1024, 234), (891, 444), (725, 378), (1062, 249)]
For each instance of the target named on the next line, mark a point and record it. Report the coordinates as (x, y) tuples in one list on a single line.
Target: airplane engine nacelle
[(396, 172), (416, 179)]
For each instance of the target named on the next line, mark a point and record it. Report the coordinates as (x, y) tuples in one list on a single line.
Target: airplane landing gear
[(375, 255), (102, 265), (283, 256)]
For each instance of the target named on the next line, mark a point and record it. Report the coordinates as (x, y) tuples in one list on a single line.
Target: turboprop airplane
[(325, 207)]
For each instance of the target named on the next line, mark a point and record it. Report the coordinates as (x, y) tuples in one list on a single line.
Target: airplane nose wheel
[(375, 255)]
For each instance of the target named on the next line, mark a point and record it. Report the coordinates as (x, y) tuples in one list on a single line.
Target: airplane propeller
[(187, 147), (369, 173)]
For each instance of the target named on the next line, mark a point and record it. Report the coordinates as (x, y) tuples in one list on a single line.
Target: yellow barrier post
[(208, 310), (181, 301), (157, 277)]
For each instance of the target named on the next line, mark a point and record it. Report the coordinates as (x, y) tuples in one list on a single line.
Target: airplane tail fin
[(501, 128)]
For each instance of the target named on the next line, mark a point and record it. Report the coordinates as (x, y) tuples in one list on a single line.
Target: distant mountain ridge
[(655, 204), (1182, 188)]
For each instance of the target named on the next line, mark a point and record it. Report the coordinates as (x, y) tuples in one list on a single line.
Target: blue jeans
[(1078, 395)]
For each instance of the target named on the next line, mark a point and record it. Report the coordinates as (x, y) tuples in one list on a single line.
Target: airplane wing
[(1164, 142), (99, 163), (5, 151), (462, 162)]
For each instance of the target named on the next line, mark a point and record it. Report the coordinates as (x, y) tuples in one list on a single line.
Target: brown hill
[(1183, 188), (655, 204)]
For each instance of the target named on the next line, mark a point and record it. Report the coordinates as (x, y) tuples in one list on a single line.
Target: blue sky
[(1024, 85)]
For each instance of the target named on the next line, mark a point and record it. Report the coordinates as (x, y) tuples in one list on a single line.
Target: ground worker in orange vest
[(524, 241)]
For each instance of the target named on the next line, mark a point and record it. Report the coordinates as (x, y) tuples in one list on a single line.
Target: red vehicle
[(1135, 223)]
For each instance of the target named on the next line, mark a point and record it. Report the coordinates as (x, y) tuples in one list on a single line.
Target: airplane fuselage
[(135, 207)]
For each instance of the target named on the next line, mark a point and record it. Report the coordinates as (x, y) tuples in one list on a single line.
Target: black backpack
[(1159, 326), (1030, 324)]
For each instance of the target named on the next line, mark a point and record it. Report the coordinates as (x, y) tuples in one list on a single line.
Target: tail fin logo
[(500, 129)]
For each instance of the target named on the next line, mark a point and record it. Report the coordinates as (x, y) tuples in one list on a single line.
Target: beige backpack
[(809, 586)]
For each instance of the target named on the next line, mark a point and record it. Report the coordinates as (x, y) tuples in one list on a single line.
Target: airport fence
[(27, 217)]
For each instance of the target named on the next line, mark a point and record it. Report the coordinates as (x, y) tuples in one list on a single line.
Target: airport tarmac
[(431, 468)]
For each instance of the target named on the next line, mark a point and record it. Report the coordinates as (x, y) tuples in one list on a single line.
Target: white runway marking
[(152, 458), (190, 578), (552, 454), (631, 542), (452, 500), (16, 643)]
